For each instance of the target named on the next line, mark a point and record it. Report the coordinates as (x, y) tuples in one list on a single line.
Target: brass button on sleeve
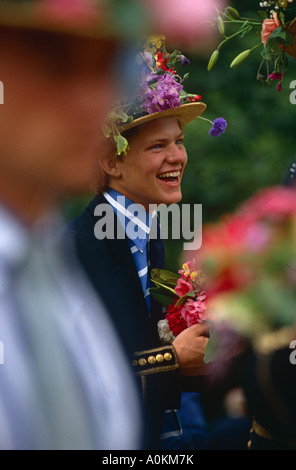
[(159, 358), (142, 361), (168, 356), (151, 359)]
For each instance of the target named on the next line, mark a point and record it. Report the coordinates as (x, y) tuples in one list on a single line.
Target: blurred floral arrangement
[(182, 296), (249, 259), (275, 31), (159, 87)]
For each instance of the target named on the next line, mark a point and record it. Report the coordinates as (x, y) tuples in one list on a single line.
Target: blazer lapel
[(125, 280)]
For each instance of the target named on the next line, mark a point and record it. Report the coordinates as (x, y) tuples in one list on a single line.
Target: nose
[(176, 154)]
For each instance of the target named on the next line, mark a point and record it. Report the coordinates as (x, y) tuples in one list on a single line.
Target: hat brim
[(186, 113), (22, 15)]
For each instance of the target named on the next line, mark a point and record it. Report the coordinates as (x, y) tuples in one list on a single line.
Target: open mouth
[(171, 177)]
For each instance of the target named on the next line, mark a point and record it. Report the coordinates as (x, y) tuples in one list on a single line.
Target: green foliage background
[(259, 144)]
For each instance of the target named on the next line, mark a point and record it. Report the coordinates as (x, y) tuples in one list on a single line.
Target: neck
[(149, 208)]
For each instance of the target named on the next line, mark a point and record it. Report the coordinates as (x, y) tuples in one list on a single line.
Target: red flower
[(175, 320), (195, 98), (183, 287), (162, 62)]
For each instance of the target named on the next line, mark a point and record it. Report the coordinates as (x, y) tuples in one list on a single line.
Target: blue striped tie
[(142, 264), (137, 228)]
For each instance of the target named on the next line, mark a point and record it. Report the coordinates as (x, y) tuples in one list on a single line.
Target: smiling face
[(152, 170)]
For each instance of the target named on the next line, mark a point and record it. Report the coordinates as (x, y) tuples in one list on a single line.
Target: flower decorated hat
[(160, 93)]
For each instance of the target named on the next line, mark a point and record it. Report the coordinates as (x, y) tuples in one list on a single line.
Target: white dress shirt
[(64, 380)]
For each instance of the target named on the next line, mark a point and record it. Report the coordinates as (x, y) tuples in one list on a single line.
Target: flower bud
[(213, 59), (221, 26), (240, 58), (232, 12)]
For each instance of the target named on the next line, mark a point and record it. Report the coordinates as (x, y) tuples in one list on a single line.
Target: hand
[(190, 348)]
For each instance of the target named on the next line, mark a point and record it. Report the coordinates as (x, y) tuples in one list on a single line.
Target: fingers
[(190, 347), (201, 329)]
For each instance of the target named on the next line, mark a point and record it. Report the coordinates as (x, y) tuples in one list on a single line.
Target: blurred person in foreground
[(142, 168), (249, 260), (65, 381)]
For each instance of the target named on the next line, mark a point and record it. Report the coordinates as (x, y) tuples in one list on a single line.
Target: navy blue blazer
[(110, 267)]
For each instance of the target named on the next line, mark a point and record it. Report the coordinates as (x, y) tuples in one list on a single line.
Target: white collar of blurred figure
[(17, 238)]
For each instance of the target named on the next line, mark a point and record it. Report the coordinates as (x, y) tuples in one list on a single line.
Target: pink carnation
[(193, 311)]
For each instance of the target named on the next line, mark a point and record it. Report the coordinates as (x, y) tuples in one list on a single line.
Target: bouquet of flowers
[(275, 26), (183, 297), (250, 263)]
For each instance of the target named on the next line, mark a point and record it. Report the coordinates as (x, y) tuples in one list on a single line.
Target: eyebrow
[(153, 141)]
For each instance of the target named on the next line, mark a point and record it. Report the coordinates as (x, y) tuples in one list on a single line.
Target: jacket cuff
[(155, 361)]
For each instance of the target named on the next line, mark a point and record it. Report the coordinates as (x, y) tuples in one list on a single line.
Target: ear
[(109, 162)]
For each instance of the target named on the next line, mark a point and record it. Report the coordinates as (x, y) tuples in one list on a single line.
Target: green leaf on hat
[(121, 144)]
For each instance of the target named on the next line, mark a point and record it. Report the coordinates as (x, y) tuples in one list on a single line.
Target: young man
[(65, 380), (149, 174)]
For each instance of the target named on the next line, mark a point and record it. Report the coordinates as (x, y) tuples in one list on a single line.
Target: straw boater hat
[(160, 93), (82, 18), (185, 112)]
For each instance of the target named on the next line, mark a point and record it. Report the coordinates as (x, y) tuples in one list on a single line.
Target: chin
[(79, 178), (172, 199)]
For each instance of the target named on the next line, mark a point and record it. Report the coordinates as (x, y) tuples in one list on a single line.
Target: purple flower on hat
[(184, 61), (163, 94), (219, 126)]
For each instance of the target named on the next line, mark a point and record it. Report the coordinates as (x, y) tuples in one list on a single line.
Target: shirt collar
[(16, 238), (134, 218)]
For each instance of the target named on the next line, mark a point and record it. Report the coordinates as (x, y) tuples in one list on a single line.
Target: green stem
[(257, 45), (205, 119), (250, 22), (260, 67), (232, 36)]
